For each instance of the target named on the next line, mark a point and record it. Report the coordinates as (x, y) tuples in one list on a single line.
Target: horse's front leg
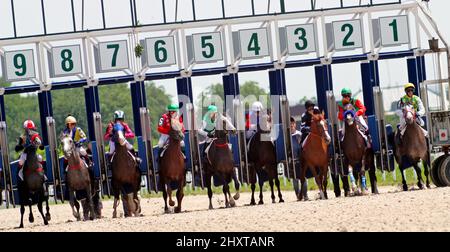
[(419, 176), (402, 171), (75, 213), (40, 200), (47, 208), (277, 183), (252, 181), (31, 217), (272, 194), (22, 212), (164, 191), (116, 192), (261, 186), (210, 193), (427, 173), (91, 203), (180, 195), (225, 189), (324, 174), (237, 186), (169, 192)]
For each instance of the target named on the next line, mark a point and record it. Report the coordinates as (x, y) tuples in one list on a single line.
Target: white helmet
[(257, 106)]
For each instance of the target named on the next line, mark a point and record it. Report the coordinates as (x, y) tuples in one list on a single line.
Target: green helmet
[(345, 91), (173, 107), (212, 108), (119, 114)]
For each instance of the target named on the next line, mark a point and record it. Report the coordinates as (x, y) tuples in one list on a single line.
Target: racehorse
[(356, 153), (411, 148), (78, 179), (315, 155), (172, 167), (31, 189), (220, 160), (263, 162), (125, 175)]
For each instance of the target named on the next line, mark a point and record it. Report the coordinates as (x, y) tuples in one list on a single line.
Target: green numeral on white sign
[(159, 49), (302, 38), (116, 50), (253, 45), (20, 64), (394, 29), (67, 62), (209, 45), (344, 28)]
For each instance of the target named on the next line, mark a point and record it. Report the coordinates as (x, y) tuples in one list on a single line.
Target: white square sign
[(301, 39), (66, 60), (160, 51), (19, 65), (347, 35), (394, 30), (207, 47), (113, 55), (254, 43)]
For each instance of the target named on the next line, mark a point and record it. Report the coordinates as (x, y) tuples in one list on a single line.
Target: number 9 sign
[(18, 65)]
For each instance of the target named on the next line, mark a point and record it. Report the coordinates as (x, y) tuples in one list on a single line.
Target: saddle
[(164, 148)]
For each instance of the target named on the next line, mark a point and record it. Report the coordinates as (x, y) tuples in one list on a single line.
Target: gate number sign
[(394, 30), (207, 47), (65, 60), (113, 56), (347, 34), (254, 43), (160, 51), (19, 65), (301, 39)]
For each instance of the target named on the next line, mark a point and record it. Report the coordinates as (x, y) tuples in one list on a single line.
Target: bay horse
[(314, 155), (172, 167), (125, 175), (263, 162), (356, 153), (78, 179), (32, 188), (219, 160), (411, 148)]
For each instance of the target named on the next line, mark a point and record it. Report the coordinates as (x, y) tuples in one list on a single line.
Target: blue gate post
[(92, 105), (416, 72), (370, 79), (324, 82), (138, 100), (46, 109), (2, 108), (184, 90), (278, 88), (231, 89)]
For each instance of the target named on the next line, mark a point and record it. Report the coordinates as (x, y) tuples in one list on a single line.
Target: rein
[(75, 167)]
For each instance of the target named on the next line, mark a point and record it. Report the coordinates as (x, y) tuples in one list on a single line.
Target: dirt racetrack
[(392, 210)]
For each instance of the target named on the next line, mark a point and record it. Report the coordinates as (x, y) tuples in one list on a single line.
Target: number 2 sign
[(347, 35)]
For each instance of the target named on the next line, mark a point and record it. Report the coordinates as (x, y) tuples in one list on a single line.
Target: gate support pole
[(92, 105), (277, 89), (46, 109), (370, 78), (324, 82), (231, 91), (184, 90), (138, 100), (416, 72)]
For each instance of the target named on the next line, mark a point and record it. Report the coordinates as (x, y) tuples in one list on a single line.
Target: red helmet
[(28, 124)]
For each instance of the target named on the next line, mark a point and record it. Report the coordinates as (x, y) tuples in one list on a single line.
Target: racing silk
[(415, 101), (208, 125), (109, 131), (247, 121), (164, 124), (357, 104), (25, 140), (77, 134)]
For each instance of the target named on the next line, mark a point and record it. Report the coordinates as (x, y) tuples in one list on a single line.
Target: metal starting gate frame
[(92, 46)]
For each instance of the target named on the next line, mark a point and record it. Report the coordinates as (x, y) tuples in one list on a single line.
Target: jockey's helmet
[(70, 119), (212, 108), (173, 107), (119, 114), (257, 106), (309, 104), (409, 86), (346, 91), (28, 124)]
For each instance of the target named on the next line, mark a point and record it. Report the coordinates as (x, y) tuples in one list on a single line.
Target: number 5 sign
[(113, 56), (18, 65)]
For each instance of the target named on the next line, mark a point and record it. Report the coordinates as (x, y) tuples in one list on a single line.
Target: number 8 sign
[(18, 65), (65, 60)]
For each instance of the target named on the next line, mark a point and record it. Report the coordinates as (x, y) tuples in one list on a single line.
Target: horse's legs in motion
[(271, 190), (225, 190), (318, 181), (252, 180), (419, 176), (180, 195), (74, 203), (237, 186), (324, 179), (277, 183), (210, 193), (40, 200), (261, 185), (336, 186), (31, 218), (302, 180), (373, 179), (164, 191), (405, 186), (169, 192), (22, 212), (427, 173), (116, 190), (344, 178), (47, 208), (91, 203)]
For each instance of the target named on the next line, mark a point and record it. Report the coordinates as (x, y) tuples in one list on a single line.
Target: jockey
[(119, 116), (359, 115), (164, 126), (24, 141), (410, 99), (78, 136), (208, 126), (311, 109), (252, 120)]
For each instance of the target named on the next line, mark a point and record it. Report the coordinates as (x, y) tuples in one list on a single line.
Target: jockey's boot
[(160, 150), (183, 151), (136, 156)]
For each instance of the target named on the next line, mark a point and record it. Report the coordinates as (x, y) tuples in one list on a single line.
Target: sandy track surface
[(392, 210)]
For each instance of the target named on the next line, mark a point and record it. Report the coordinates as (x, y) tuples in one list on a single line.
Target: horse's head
[(68, 145), (176, 130), (409, 114), (349, 117), (223, 126), (119, 135), (319, 126)]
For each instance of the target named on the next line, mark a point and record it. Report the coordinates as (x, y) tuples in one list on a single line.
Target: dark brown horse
[(125, 175), (78, 179), (32, 188), (263, 162), (171, 167), (357, 154), (220, 161), (412, 148), (315, 155)]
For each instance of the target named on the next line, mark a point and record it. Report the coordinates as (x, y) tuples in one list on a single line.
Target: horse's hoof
[(405, 188), (171, 203), (232, 203), (274, 201), (114, 215), (31, 219), (281, 201), (306, 198), (48, 217), (21, 226), (261, 202), (45, 222), (177, 209), (252, 203), (236, 196), (428, 186), (166, 210)]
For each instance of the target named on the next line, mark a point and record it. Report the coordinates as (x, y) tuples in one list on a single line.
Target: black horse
[(32, 189)]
